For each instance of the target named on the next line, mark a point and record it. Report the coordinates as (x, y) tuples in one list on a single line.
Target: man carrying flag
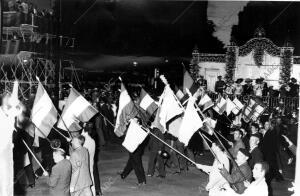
[(126, 111)]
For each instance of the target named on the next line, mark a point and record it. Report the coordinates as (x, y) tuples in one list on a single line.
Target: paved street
[(113, 159)]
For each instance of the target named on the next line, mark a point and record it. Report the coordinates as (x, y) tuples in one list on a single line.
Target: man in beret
[(238, 174)]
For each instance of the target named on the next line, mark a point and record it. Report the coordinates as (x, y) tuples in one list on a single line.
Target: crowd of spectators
[(258, 88)]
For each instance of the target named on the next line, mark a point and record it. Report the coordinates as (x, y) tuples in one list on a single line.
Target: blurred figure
[(90, 145), (238, 87), (248, 88), (220, 85)]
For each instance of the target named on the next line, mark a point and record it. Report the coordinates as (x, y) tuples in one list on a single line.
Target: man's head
[(254, 128), (237, 135), (242, 156), (254, 141), (278, 120), (267, 125), (78, 141), (58, 155), (219, 78), (259, 170)]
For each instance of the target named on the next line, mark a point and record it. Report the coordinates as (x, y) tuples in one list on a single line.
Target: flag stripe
[(76, 109), (44, 114)]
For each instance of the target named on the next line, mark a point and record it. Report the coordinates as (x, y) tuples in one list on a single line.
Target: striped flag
[(77, 109), (43, 113), (126, 111), (188, 83), (220, 106), (169, 108), (205, 102), (147, 103), (238, 105), (191, 122), (134, 137), (252, 110), (229, 106), (179, 94)]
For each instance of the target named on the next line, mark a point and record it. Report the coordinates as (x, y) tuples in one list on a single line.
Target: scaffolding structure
[(26, 67), (27, 54)]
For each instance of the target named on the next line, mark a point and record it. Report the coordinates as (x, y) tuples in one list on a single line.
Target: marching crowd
[(247, 158)]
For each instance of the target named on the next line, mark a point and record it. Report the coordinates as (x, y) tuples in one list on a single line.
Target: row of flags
[(44, 114), (182, 122)]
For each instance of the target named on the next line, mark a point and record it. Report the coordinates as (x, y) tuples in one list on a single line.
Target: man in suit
[(269, 149), (256, 154), (238, 175), (81, 181), (60, 178)]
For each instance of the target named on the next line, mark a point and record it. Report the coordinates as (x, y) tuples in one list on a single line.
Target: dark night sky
[(161, 29)]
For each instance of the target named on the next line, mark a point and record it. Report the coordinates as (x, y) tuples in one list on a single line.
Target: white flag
[(191, 122), (134, 137)]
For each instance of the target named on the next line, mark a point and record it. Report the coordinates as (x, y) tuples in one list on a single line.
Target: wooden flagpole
[(30, 151)]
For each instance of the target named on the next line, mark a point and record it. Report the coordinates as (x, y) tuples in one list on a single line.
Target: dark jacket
[(60, 178), (256, 156), (236, 179), (219, 86)]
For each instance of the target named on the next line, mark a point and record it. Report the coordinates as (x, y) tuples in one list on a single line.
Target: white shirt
[(256, 188)]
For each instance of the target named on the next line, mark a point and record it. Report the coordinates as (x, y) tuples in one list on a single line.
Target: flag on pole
[(77, 109), (168, 109), (253, 110), (187, 81), (126, 111), (179, 94), (147, 103), (220, 106), (238, 105), (191, 122), (229, 106), (43, 113), (205, 102), (134, 137)]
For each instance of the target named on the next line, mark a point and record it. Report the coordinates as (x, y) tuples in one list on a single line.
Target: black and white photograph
[(149, 98)]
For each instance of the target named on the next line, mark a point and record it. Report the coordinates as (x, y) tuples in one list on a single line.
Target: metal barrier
[(287, 103)]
